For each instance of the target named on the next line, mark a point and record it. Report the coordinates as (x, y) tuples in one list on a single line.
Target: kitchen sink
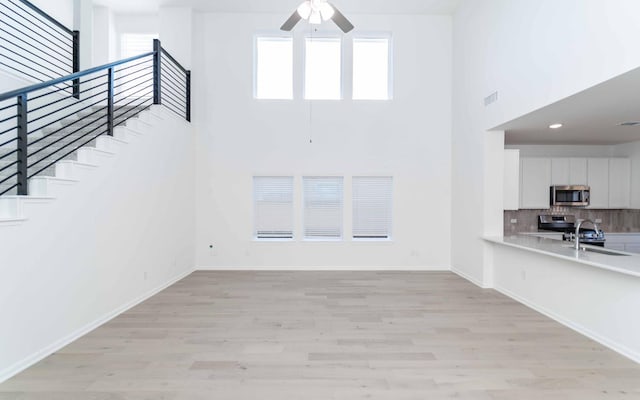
[(599, 250)]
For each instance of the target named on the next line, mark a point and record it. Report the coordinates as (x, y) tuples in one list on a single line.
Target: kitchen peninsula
[(592, 293)]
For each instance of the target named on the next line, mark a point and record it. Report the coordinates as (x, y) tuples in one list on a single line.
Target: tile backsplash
[(612, 220)]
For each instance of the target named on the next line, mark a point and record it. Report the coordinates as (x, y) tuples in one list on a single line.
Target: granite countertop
[(628, 263)]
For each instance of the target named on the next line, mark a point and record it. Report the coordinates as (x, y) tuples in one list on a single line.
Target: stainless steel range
[(567, 225)]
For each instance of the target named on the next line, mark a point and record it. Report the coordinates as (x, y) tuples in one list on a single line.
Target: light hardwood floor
[(329, 335)]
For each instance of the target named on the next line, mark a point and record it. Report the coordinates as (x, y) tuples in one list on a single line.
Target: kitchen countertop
[(629, 265)]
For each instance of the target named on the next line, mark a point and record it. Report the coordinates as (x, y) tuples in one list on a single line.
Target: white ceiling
[(286, 6), (590, 117)]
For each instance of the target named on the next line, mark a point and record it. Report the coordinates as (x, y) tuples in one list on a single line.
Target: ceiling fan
[(317, 11)]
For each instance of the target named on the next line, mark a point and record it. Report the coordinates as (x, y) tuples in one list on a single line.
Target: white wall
[(533, 53), (62, 10), (176, 27), (125, 229), (239, 137), (104, 36)]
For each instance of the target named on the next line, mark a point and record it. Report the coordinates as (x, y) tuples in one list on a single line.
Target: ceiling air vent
[(629, 123)]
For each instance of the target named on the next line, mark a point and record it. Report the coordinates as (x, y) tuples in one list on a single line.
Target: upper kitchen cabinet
[(598, 180), (535, 181), (511, 179), (568, 171), (619, 183)]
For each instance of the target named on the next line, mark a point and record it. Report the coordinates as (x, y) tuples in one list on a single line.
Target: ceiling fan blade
[(291, 22), (340, 20)]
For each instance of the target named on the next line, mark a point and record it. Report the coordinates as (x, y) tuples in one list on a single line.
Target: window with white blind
[(372, 207), (273, 207), (323, 69), (371, 69), (323, 208), (274, 68)]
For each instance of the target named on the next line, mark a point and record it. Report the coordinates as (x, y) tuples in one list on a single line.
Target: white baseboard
[(469, 278), (618, 348), (20, 366), (323, 268)]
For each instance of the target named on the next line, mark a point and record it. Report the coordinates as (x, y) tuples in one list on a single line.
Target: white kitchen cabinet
[(569, 171), (619, 183), (598, 180), (578, 171), (535, 180), (511, 179), (560, 171)]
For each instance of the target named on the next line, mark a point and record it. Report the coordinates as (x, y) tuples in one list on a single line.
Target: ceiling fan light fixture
[(326, 11), (315, 18), (304, 10)]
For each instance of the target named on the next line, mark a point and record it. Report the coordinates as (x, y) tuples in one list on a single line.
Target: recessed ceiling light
[(555, 126)]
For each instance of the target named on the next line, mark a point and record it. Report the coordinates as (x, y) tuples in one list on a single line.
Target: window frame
[(329, 36), (272, 35), (390, 61)]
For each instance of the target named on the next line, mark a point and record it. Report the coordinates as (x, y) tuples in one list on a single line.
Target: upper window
[(273, 207), (322, 208), (323, 69), (371, 67), (372, 206), (274, 68)]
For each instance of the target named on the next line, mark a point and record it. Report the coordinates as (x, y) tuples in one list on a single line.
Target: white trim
[(469, 278), (417, 268), (27, 362), (617, 347)]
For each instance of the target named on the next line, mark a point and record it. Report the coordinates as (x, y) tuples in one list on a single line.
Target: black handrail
[(36, 45), (51, 122), (77, 75), (47, 16)]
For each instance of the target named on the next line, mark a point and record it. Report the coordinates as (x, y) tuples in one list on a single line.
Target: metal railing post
[(157, 70), (76, 63), (188, 116), (23, 141), (110, 81)]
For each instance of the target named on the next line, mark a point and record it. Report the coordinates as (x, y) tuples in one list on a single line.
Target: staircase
[(54, 181), (56, 142)]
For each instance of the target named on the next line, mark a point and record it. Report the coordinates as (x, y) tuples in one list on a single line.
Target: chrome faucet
[(595, 226)]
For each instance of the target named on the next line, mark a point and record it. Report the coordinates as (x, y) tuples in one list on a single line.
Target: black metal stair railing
[(45, 123), (36, 46)]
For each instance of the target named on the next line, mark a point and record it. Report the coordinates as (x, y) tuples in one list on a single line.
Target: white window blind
[(372, 207), (371, 69), (323, 69), (274, 68), (273, 207), (323, 208)]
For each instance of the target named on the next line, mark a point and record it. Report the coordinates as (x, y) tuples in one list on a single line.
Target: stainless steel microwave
[(570, 196)]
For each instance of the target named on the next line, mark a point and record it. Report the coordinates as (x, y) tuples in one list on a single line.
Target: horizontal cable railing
[(45, 123), (35, 46), (174, 79)]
